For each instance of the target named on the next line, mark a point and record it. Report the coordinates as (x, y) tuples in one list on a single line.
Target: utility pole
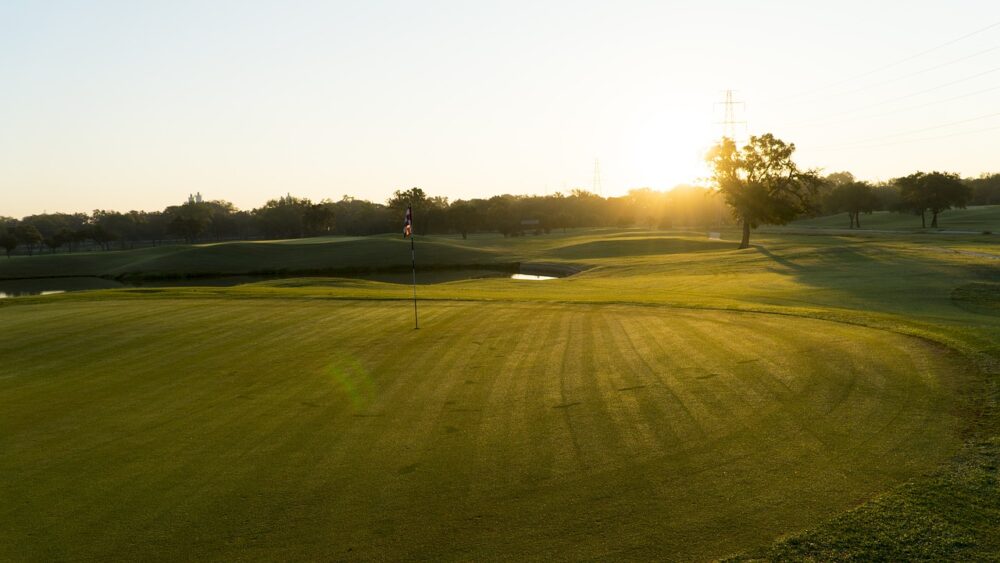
[(731, 127)]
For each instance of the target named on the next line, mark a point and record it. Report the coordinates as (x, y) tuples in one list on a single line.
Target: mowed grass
[(677, 399), (301, 429)]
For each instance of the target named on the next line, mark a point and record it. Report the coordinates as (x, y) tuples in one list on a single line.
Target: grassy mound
[(330, 254), (617, 247)]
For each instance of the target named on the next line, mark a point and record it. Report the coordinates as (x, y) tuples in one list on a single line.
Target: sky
[(135, 105)]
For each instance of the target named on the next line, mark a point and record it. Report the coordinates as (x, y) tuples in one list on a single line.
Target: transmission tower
[(597, 188), (731, 127)]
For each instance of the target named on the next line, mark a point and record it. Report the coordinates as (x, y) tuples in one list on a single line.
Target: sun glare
[(663, 153)]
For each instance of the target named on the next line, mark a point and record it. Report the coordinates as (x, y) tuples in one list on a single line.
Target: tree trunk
[(934, 219), (857, 218), (923, 220), (851, 215), (745, 243)]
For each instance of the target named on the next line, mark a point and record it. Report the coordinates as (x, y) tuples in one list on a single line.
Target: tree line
[(920, 193), (200, 220), (751, 185)]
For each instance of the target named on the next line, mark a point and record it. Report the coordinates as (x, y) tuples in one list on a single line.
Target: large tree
[(760, 182)]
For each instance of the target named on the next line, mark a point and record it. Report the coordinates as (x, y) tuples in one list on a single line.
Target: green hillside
[(977, 219), (326, 254)]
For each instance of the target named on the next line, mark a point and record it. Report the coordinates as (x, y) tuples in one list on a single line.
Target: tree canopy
[(854, 198), (933, 192), (760, 182)]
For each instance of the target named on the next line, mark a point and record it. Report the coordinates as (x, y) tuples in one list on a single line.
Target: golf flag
[(408, 233)]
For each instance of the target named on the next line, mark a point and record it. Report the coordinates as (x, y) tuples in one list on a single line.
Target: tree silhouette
[(760, 182)]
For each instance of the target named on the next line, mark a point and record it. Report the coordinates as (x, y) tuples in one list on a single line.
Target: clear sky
[(133, 105)]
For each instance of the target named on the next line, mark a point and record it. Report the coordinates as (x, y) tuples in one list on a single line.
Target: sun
[(668, 150)]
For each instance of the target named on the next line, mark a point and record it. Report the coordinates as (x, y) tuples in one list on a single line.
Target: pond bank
[(432, 275)]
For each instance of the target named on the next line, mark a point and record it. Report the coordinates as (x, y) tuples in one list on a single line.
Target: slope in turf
[(329, 254), (298, 429)]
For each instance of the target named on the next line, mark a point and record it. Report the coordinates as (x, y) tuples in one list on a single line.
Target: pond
[(532, 277)]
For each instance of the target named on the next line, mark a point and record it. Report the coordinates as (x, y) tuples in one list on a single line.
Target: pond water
[(4, 294), (532, 277), (48, 286)]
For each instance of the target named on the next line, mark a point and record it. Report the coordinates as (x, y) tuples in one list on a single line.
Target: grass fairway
[(978, 219), (678, 400), (301, 430)]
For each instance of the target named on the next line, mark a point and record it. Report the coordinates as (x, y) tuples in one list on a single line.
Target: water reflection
[(531, 277), (4, 294)]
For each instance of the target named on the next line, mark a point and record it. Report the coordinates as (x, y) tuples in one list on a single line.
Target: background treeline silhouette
[(198, 220)]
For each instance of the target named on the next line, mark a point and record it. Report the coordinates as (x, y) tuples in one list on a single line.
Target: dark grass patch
[(638, 247), (978, 297)]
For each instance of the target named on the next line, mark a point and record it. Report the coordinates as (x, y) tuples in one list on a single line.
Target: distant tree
[(53, 243), (418, 200), (401, 199), (65, 237), (318, 218), (502, 217), (463, 217), (28, 235), (8, 241), (837, 179), (190, 219), (283, 217), (827, 185), (985, 189), (222, 219), (760, 182), (101, 236), (109, 226), (912, 196), (887, 194), (933, 192), (359, 217), (854, 198)]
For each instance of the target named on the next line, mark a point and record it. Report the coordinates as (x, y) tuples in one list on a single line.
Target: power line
[(913, 94), (892, 64), (912, 74), (901, 110), (912, 131), (904, 141)]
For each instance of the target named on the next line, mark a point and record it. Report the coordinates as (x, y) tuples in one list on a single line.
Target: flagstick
[(413, 261)]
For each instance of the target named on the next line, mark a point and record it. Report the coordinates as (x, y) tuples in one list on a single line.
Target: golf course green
[(812, 397)]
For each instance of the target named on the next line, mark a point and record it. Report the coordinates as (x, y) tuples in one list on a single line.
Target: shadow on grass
[(877, 277)]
